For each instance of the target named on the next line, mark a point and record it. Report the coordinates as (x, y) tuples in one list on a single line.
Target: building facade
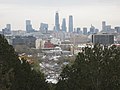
[(29, 41), (64, 28), (43, 28), (104, 39), (70, 23), (103, 25), (57, 25), (117, 29), (7, 29), (48, 44), (85, 32), (29, 28)]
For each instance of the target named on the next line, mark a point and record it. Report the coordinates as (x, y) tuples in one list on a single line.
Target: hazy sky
[(85, 12)]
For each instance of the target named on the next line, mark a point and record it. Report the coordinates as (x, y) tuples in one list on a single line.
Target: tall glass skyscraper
[(57, 25), (70, 23), (29, 26), (64, 25)]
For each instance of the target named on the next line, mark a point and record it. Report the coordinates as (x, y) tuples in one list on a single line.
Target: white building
[(55, 41), (40, 44)]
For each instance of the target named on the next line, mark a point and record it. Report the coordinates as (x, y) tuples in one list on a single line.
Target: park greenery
[(95, 68)]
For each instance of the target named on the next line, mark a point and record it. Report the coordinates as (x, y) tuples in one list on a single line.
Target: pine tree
[(8, 63), (17, 74), (96, 68)]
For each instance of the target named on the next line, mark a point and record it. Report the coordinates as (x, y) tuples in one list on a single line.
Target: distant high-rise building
[(103, 25), (79, 30), (85, 31), (8, 26), (96, 30), (44, 28), (70, 23), (57, 25), (7, 29), (29, 26), (64, 25), (92, 29), (28, 22), (108, 29), (117, 29)]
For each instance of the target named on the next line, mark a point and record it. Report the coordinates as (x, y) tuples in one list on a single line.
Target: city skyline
[(85, 12)]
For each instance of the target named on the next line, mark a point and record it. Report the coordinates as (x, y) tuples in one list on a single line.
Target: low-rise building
[(24, 40), (48, 44), (78, 39), (103, 38), (39, 44)]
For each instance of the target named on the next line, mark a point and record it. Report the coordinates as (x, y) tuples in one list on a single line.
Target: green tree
[(96, 68), (29, 79), (8, 63), (17, 74)]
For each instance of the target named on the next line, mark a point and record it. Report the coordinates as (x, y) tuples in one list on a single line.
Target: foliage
[(29, 79), (8, 63), (17, 74), (96, 68)]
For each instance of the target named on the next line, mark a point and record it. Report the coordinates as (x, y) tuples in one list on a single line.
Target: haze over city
[(59, 45), (85, 12)]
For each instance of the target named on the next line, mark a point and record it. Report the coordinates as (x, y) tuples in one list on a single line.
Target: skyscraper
[(8, 26), (108, 28), (64, 25), (103, 25), (29, 26), (44, 28), (57, 25), (78, 30), (92, 29), (7, 29), (117, 29), (85, 32), (70, 23)]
